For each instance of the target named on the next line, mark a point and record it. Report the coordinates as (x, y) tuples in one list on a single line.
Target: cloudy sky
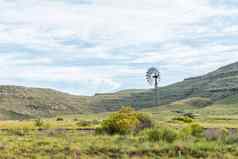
[(89, 46)]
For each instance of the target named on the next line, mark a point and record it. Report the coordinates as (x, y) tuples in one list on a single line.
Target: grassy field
[(61, 145), (74, 137)]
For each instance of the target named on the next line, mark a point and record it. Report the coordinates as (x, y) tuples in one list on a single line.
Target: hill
[(20, 102), (215, 86)]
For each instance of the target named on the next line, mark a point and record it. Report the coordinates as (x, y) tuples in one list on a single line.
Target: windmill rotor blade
[(149, 78), (150, 81), (151, 74)]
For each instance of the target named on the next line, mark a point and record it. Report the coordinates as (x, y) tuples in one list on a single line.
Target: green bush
[(231, 139), (196, 130), (166, 135), (185, 133), (38, 122), (145, 121), (59, 119), (87, 123), (99, 131), (18, 131), (122, 122), (170, 135), (193, 130), (84, 123), (184, 119), (75, 119), (125, 121), (153, 135)]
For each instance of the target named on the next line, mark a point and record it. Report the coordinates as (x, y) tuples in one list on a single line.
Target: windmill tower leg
[(155, 96), (156, 93)]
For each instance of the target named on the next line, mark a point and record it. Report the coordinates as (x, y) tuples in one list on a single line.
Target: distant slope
[(225, 108), (21, 102), (215, 86), (17, 102)]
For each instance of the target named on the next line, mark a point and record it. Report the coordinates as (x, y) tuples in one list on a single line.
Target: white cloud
[(112, 39)]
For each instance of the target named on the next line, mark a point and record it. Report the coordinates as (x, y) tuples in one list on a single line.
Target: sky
[(95, 46)]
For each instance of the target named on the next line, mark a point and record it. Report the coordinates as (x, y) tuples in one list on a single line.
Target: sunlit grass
[(67, 137)]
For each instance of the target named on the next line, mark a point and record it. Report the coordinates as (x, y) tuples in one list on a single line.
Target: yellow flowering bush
[(125, 121)]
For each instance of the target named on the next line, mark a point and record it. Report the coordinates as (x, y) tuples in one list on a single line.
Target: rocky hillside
[(21, 102)]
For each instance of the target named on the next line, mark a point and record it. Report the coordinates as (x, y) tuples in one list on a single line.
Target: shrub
[(83, 123), (154, 135), (122, 122), (39, 122), (184, 119), (99, 131), (125, 121), (185, 133), (59, 119), (196, 130), (164, 134), (145, 121), (18, 131), (231, 139), (193, 130), (75, 119), (169, 135)]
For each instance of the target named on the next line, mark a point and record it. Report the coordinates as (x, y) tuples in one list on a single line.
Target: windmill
[(153, 78)]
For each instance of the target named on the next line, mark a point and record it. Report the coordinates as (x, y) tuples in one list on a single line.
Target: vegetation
[(161, 134), (202, 92), (162, 142), (125, 121), (39, 122), (184, 119), (196, 130), (198, 119), (164, 137)]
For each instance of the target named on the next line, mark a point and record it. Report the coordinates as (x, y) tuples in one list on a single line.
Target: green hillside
[(21, 102), (220, 86), (215, 86)]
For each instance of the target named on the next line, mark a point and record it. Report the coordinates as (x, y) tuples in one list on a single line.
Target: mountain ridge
[(19, 102)]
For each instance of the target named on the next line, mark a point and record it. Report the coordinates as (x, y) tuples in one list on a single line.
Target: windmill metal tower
[(153, 78)]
